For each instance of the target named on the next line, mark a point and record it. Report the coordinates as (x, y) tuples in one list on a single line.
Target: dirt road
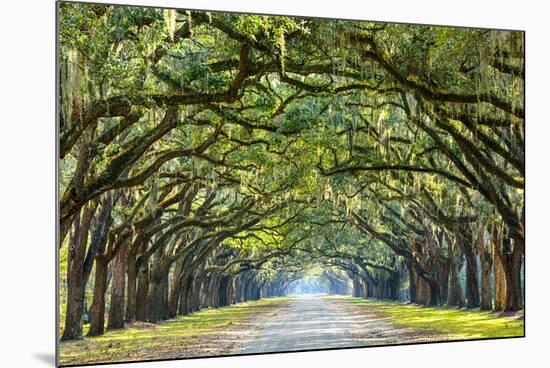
[(320, 322)]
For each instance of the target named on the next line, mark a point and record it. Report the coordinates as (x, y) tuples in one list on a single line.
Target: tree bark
[(464, 240), (98, 251), (486, 300), (455, 295), (508, 262), (141, 293), (412, 283), (154, 296), (75, 275), (185, 303), (357, 289), (97, 309), (116, 308), (486, 269), (175, 289), (132, 272)]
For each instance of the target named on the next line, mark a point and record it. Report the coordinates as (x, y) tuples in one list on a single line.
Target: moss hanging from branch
[(170, 21), (282, 51)]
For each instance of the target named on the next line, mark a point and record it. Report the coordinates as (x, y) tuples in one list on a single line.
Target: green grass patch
[(458, 324), (199, 331)]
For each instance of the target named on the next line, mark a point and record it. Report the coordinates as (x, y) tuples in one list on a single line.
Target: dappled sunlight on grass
[(203, 333), (456, 323), (219, 331)]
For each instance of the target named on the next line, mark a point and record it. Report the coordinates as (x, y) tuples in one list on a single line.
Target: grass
[(458, 324), (203, 333), (215, 331)]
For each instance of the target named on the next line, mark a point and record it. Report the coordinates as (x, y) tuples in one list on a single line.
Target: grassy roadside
[(208, 332), (457, 324)]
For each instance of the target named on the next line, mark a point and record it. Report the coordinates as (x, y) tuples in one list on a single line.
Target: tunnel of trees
[(208, 159)]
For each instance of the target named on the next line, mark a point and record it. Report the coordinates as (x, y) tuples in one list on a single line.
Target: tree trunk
[(486, 264), (465, 242), (164, 312), (455, 295), (222, 292), (75, 276), (423, 294), (394, 286), (356, 287), (213, 289), (486, 302), (131, 270), (175, 289), (185, 306), (97, 309), (412, 283), (435, 297), (472, 284), (141, 293), (154, 296), (514, 299), (195, 292), (116, 308), (508, 262), (500, 282)]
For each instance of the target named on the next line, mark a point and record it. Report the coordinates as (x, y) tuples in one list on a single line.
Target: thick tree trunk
[(244, 285), (164, 310), (75, 276), (185, 304), (486, 264), (514, 298), (133, 268), (455, 295), (435, 297), (213, 289), (238, 288), (486, 302), (412, 284), (175, 289), (423, 291), (154, 296), (508, 269), (472, 284), (370, 288), (357, 289), (97, 309), (156, 292), (428, 289), (231, 291), (97, 253), (500, 284), (141, 293), (443, 278), (465, 242), (394, 286), (223, 290), (116, 308), (130, 314), (195, 292)]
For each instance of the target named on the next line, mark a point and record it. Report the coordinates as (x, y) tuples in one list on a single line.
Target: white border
[(27, 185)]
